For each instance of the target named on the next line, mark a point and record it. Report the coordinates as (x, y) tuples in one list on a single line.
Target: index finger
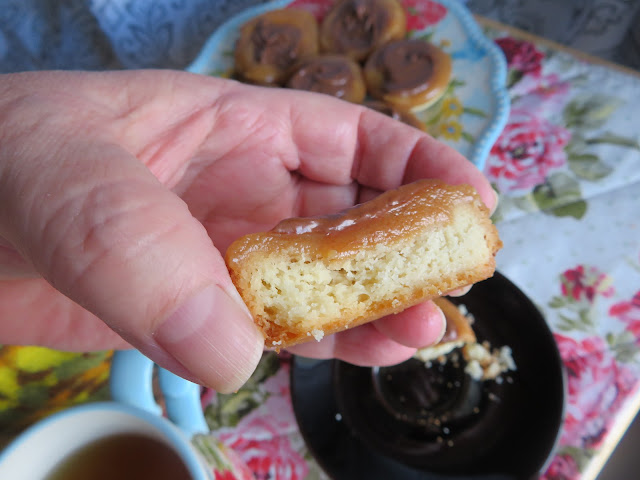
[(380, 153)]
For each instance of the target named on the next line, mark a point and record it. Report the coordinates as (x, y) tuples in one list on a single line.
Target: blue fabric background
[(108, 34)]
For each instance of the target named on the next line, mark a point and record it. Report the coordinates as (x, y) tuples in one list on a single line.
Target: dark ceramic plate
[(413, 422)]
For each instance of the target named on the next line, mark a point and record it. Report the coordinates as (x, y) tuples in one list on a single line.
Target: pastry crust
[(408, 74), (310, 277), (356, 27), (272, 43), (335, 75)]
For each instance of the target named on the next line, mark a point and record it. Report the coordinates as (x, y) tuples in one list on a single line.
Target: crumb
[(464, 311), (474, 370), (485, 363), (317, 334)]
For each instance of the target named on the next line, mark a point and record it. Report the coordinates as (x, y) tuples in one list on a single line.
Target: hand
[(118, 191)]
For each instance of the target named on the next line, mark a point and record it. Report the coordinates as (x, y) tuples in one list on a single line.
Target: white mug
[(40, 449)]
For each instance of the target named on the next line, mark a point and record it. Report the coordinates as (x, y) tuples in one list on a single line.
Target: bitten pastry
[(408, 74), (271, 43), (356, 27), (310, 277), (458, 334), (335, 75), (395, 113)]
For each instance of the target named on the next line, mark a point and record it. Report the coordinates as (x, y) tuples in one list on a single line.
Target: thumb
[(103, 231)]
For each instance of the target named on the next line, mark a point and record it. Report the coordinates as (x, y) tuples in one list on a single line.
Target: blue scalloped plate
[(474, 110)]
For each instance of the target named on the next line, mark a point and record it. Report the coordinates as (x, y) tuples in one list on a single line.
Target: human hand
[(118, 191)]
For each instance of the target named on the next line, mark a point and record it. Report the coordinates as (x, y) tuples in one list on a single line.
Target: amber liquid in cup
[(123, 457)]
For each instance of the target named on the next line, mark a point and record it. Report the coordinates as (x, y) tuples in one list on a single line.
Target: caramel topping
[(392, 215), (406, 65), (324, 75), (275, 43), (360, 24)]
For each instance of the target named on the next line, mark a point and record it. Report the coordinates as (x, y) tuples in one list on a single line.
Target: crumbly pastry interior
[(315, 276)]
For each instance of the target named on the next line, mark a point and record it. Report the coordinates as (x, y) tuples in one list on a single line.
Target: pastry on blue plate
[(335, 75), (409, 74), (272, 43), (356, 27)]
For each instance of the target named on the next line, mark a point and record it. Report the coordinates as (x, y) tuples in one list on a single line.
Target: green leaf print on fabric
[(581, 456), (228, 410), (580, 288), (588, 166), (613, 139), (588, 112), (560, 195), (623, 345)]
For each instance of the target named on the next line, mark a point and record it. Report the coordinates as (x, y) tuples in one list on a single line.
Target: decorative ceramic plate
[(435, 422), (473, 111)]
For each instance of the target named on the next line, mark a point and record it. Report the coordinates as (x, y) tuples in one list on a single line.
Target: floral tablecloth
[(567, 168)]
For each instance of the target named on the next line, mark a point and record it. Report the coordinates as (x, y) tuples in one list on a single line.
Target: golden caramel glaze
[(401, 115), (356, 27), (408, 74), (335, 75), (391, 216), (272, 43), (458, 327)]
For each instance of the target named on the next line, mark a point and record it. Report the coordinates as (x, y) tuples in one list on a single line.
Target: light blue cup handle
[(131, 382)]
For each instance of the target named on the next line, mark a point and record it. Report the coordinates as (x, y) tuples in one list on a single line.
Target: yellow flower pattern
[(451, 130), (451, 107), (445, 119)]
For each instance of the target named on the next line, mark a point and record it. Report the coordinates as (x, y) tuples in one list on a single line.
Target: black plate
[(412, 422)]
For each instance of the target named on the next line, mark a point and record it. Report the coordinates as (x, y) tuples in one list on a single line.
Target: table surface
[(567, 168)]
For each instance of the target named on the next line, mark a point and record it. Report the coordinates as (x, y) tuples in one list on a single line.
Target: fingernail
[(458, 292), (443, 330), (444, 324), (495, 204), (214, 337)]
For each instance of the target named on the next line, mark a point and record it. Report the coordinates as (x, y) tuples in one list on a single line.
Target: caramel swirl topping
[(361, 24), (407, 66), (275, 44), (323, 75)]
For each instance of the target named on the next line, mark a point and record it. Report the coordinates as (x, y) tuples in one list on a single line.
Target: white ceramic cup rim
[(41, 463)]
